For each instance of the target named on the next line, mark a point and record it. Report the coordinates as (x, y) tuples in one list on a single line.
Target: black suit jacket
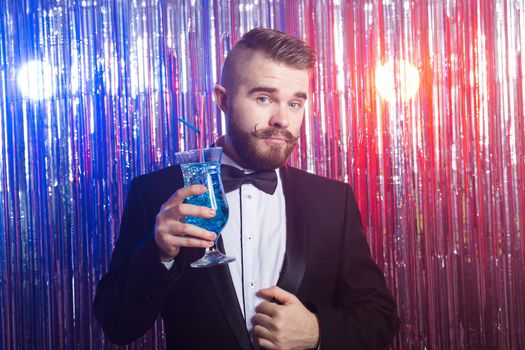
[(327, 265)]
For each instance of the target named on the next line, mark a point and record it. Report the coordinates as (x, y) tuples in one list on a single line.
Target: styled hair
[(278, 46)]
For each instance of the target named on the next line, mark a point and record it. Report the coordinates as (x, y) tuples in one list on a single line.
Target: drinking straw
[(189, 125), (201, 119)]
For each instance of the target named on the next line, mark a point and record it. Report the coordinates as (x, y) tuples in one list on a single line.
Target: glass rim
[(199, 150)]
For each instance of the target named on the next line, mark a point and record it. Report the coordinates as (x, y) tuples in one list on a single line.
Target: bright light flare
[(401, 78), (35, 80)]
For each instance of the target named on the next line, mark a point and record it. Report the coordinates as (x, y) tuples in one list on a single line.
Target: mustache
[(272, 131)]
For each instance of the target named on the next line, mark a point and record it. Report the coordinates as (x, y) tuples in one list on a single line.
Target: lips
[(275, 140)]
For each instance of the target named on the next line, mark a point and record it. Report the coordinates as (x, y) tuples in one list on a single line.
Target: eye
[(295, 105), (263, 99)]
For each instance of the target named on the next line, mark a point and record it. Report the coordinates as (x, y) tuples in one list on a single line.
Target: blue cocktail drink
[(207, 174), (203, 167)]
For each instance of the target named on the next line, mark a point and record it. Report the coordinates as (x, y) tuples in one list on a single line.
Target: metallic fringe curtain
[(418, 104)]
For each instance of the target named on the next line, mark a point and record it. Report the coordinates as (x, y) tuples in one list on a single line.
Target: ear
[(219, 92)]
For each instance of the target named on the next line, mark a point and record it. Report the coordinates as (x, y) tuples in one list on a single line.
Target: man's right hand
[(171, 233)]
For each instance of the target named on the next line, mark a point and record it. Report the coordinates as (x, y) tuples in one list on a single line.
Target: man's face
[(265, 110)]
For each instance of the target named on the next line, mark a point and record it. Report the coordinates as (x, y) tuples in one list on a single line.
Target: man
[(303, 277)]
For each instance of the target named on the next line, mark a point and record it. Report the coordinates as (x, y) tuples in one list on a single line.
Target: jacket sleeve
[(364, 314), (130, 296)]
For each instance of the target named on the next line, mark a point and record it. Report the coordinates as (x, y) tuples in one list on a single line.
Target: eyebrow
[(271, 90)]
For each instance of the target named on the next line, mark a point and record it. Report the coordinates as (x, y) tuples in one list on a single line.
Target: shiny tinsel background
[(95, 92)]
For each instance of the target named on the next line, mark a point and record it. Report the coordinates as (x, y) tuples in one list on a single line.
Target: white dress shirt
[(258, 241)]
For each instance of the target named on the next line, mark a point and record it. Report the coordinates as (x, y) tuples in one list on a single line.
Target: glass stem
[(214, 247)]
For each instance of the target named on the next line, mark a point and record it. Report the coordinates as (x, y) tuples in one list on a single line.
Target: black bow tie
[(233, 178)]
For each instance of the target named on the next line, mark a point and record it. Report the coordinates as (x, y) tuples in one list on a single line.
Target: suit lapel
[(222, 285), (297, 233)]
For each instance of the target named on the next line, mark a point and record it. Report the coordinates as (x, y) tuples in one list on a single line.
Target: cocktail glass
[(203, 167)]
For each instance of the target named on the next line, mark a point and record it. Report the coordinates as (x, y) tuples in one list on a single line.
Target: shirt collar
[(228, 161)]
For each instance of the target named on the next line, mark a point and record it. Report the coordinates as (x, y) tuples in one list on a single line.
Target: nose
[(280, 117)]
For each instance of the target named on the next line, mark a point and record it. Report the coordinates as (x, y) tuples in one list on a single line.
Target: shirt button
[(249, 196), (249, 237), (252, 284)]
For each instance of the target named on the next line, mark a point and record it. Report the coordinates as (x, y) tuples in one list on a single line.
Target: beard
[(246, 144)]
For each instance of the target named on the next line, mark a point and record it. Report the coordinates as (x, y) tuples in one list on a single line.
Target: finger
[(185, 209), (197, 232), (265, 344), (181, 229), (187, 236), (190, 242), (263, 320), (267, 308), (261, 332), (182, 193), (166, 230), (277, 293), (170, 245)]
